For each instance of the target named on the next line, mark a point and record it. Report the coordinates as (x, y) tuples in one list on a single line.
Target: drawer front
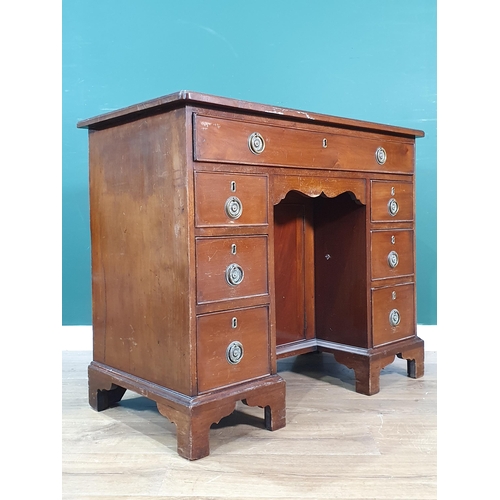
[(393, 313), (392, 253), (231, 141), (392, 201), (228, 199), (232, 347), (230, 268)]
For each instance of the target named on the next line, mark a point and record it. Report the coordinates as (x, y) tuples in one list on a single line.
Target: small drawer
[(393, 313), (392, 253), (230, 268), (230, 199), (232, 347), (230, 141), (392, 201)]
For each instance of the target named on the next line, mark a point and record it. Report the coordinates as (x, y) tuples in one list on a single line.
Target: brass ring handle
[(234, 352), (394, 317), (233, 207), (393, 207), (380, 156), (256, 143), (393, 259), (234, 274)]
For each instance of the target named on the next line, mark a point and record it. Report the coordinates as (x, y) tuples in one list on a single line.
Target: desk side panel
[(140, 227)]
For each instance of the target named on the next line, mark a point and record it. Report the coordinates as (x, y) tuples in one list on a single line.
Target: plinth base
[(192, 416), (366, 363)]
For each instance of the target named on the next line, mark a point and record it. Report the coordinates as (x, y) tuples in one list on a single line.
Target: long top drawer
[(231, 141)]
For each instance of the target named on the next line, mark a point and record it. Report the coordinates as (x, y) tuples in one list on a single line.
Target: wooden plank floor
[(337, 444)]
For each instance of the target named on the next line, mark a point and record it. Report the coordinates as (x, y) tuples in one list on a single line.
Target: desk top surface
[(185, 98)]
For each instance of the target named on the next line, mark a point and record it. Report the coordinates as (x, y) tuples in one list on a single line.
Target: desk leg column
[(103, 392), (193, 426), (273, 401), (366, 369), (415, 361)]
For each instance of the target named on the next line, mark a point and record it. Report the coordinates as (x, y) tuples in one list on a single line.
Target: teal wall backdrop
[(365, 59)]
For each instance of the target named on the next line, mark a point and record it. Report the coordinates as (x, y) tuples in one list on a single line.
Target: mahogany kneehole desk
[(227, 234)]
